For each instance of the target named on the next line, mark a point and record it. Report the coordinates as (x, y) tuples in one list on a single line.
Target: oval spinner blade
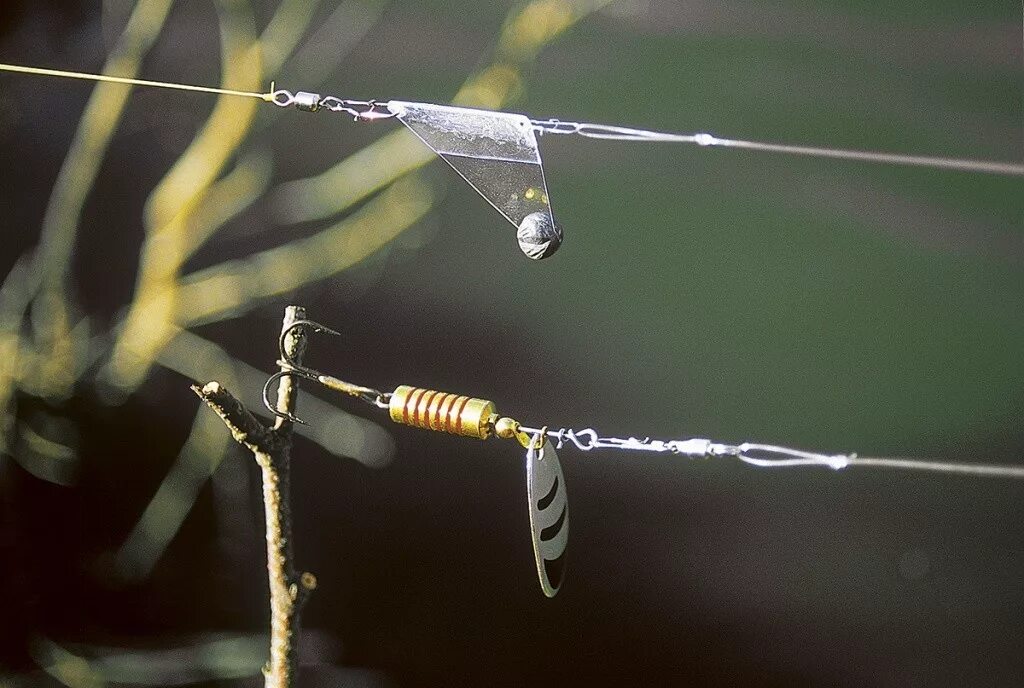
[(549, 515)]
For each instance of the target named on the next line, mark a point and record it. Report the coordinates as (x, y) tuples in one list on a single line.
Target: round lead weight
[(539, 235)]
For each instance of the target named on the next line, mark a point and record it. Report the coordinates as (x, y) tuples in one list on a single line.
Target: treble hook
[(291, 367)]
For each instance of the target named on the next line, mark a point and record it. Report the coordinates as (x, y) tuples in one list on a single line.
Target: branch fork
[(271, 447)]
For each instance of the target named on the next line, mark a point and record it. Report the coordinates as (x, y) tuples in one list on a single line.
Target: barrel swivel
[(360, 110)]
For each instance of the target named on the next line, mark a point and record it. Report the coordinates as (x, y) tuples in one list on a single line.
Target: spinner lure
[(546, 494)]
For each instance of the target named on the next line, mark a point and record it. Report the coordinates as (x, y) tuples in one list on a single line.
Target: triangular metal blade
[(497, 153), (549, 514)]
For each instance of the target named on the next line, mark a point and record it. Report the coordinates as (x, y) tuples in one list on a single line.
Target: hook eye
[(314, 326), (297, 372)]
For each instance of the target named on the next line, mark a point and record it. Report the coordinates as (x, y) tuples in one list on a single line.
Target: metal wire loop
[(588, 440), (363, 110), (584, 439), (554, 126), (282, 98)]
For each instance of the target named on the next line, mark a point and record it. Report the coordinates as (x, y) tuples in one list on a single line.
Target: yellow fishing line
[(133, 82)]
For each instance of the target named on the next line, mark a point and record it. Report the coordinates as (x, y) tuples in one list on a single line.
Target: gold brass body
[(432, 410)]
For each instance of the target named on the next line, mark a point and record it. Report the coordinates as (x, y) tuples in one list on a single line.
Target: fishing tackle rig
[(497, 153), (547, 502)]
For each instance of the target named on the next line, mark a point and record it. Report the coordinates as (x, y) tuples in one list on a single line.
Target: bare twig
[(272, 449)]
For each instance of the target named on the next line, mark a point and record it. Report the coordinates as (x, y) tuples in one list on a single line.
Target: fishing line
[(311, 102), (614, 133), (757, 455), (40, 71)]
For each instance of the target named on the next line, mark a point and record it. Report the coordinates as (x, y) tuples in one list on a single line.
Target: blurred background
[(152, 238)]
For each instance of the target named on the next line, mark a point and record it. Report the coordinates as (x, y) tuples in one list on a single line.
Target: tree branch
[(271, 448), (244, 427)]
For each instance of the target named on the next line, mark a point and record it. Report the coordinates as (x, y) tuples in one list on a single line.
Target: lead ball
[(539, 235)]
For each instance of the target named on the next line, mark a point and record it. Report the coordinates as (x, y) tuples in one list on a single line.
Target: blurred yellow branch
[(147, 326), (205, 658), (190, 204), (234, 286), (45, 280), (284, 31), (13, 297), (326, 47), (203, 451), (65, 667), (182, 211), (237, 285), (334, 38), (227, 198), (355, 178), (95, 129)]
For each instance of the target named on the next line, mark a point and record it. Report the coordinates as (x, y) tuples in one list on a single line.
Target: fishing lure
[(547, 501), (497, 153)]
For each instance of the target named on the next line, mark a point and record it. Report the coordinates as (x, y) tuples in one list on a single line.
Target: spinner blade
[(549, 514)]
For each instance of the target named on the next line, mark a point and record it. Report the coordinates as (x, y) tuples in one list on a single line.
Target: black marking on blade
[(552, 530), (554, 570), (545, 501)]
